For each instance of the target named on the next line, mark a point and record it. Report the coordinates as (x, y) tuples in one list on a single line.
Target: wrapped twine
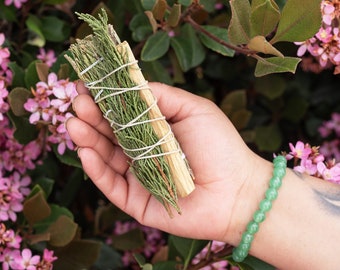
[(110, 71)]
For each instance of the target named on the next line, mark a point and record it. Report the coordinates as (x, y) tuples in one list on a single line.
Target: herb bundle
[(110, 71)]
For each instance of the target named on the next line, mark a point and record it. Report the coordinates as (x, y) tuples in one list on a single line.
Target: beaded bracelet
[(242, 250)]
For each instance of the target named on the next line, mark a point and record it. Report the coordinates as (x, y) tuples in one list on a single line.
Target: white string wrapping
[(119, 91)]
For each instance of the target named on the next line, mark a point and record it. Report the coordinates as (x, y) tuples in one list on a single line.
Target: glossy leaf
[(260, 44), (62, 231), (54, 29), (239, 26), (166, 265), (18, 74), (17, 97), (130, 240), (78, 255), (24, 130), (185, 2), (268, 138), (300, 20), (188, 49), (36, 208), (159, 9), (271, 86), (174, 15), (31, 75), (56, 212), (276, 65), (155, 46), (220, 33), (140, 27), (152, 20), (156, 71), (148, 4), (37, 38), (42, 71), (185, 248), (46, 184), (265, 15)]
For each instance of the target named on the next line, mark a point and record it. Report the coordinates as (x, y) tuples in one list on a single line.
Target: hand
[(220, 160)]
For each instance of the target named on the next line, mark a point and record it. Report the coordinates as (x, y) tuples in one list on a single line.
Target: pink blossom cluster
[(325, 45), (309, 160), (331, 130), (51, 106), (213, 247), (48, 57), (11, 257), (153, 241), (5, 77), (17, 3)]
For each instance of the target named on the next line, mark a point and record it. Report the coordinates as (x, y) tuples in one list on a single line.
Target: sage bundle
[(111, 72)]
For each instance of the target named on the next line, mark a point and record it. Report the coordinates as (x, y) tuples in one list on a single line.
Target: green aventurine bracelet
[(241, 252)]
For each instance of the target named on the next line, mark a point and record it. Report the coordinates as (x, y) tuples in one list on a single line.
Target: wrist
[(249, 197)]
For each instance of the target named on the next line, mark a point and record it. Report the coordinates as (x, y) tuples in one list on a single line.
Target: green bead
[(239, 254), (252, 227), (271, 194), (259, 216), (279, 160), (279, 172), (275, 182), (265, 205), (247, 238)]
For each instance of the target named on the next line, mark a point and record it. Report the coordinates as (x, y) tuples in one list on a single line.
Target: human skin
[(301, 231)]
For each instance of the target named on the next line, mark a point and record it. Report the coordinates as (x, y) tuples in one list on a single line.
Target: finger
[(87, 110), (81, 88), (177, 104), (84, 135), (125, 192)]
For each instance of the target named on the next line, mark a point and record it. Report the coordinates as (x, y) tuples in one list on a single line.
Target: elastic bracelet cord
[(242, 250)]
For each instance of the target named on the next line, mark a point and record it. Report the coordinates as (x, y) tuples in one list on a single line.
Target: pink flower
[(17, 3), (325, 34), (300, 150), (306, 166), (64, 95), (330, 174), (47, 57), (10, 258), (28, 262)]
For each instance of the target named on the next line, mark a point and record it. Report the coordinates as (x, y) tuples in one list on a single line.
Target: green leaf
[(186, 248), (8, 13), (240, 118), (260, 44), (257, 264), (140, 27), (62, 231), (234, 101), (18, 74), (108, 259), (268, 138), (220, 33), (156, 46), (148, 4), (31, 75), (17, 98), (166, 265), (36, 208), (46, 184), (34, 25), (239, 26), (188, 49), (174, 15), (271, 86), (155, 71), (185, 3), (70, 157), (265, 15), (300, 20), (42, 70), (276, 65), (128, 241), (56, 212), (78, 255), (54, 29), (159, 9), (24, 130)]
